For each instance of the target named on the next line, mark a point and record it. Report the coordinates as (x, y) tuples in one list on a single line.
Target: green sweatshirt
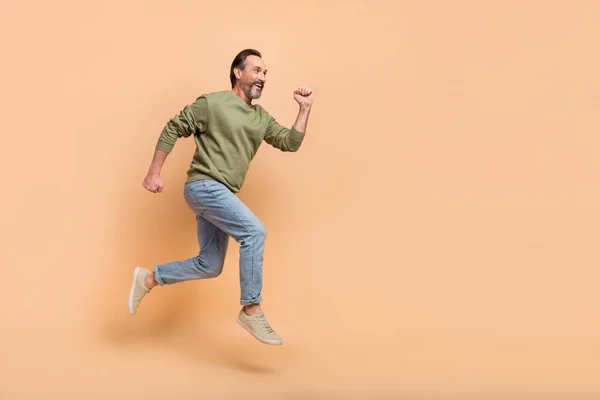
[(228, 132)]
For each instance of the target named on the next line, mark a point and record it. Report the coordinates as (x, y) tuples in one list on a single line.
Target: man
[(228, 130)]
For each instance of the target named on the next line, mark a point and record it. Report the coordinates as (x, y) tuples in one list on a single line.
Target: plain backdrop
[(436, 236)]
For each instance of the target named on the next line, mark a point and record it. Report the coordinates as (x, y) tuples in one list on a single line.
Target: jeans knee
[(259, 231), (213, 272), (255, 232), (209, 268)]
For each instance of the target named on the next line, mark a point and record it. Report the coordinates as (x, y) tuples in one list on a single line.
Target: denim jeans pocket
[(216, 189), (193, 200)]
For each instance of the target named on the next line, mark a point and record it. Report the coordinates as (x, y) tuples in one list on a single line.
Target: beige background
[(435, 237)]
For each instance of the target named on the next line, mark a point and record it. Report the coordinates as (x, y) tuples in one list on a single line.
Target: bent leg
[(213, 244), (228, 213)]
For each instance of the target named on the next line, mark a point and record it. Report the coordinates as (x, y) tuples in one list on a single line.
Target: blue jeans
[(220, 214)]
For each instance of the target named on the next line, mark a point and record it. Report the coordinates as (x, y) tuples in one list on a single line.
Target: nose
[(261, 76)]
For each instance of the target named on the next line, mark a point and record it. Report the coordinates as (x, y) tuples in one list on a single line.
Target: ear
[(237, 72)]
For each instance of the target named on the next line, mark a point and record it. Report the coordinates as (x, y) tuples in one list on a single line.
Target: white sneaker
[(259, 327), (138, 290)]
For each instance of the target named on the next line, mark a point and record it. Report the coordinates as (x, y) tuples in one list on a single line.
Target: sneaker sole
[(131, 291), (272, 342)]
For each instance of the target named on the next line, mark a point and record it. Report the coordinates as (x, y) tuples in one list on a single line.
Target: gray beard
[(253, 94)]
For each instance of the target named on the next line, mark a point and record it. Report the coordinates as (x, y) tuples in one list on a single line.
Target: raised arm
[(286, 139), (304, 97), (192, 119)]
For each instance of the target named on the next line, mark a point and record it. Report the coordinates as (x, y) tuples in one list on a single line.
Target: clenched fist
[(153, 183), (304, 97)]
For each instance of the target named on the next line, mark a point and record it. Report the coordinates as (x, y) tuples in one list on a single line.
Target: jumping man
[(228, 130)]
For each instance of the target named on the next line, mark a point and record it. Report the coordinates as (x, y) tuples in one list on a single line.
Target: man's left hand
[(304, 97)]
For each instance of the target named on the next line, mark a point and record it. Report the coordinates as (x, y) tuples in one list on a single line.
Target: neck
[(241, 94)]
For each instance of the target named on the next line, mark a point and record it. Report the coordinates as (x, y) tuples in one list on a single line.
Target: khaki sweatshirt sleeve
[(281, 137), (192, 119)]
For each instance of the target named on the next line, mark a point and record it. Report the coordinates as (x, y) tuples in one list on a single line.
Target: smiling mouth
[(258, 86)]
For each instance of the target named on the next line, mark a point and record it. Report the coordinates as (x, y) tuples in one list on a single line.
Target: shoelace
[(265, 324)]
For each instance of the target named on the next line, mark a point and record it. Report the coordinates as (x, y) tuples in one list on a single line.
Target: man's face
[(253, 77)]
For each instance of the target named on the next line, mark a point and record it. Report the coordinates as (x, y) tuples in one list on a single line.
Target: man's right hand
[(153, 183)]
